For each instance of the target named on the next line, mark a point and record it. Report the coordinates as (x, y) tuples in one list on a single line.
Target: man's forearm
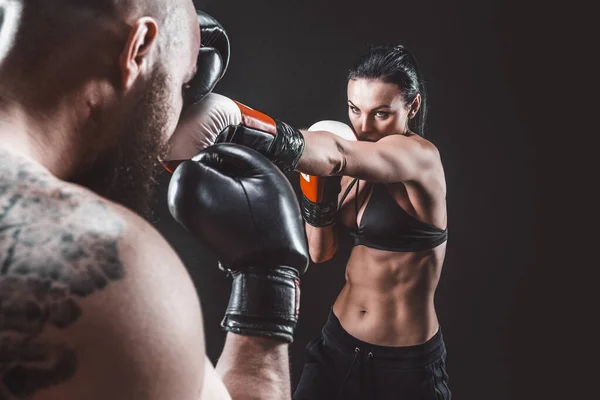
[(254, 367)]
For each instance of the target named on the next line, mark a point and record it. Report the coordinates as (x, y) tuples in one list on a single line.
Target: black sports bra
[(386, 226)]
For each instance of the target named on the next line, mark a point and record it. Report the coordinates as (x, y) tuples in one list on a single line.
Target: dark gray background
[(504, 105)]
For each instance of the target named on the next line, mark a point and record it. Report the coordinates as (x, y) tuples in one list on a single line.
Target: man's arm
[(258, 237), (255, 368), (247, 362)]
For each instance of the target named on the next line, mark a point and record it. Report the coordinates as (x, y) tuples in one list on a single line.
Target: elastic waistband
[(402, 357)]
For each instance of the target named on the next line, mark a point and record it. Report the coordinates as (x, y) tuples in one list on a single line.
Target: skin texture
[(94, 304), (388, 298)]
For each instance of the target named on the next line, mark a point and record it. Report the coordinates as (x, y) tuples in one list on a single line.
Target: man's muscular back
[(84, 285)]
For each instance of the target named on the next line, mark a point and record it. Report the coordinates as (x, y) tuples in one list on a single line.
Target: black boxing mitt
[(241, 206)]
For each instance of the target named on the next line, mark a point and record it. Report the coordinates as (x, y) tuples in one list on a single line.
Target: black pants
[(340, 367)]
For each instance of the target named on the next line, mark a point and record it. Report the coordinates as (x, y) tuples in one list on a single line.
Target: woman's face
[(376, 109)]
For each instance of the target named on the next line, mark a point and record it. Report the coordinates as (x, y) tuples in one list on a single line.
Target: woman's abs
[(388, 297)]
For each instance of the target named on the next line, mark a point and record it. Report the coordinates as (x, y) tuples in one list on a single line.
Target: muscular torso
[(388, 298), (86, 309)]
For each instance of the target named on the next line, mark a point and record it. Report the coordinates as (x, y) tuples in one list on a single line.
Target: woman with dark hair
[(383, 182), (382, 339)]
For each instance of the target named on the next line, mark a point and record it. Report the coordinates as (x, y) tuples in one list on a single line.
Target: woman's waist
[(338, 334), (390, 318)]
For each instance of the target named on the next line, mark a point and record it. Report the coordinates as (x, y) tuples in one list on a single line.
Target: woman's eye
[(381, 114)]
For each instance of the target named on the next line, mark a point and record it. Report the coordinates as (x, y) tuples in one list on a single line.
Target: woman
[(382, 339)]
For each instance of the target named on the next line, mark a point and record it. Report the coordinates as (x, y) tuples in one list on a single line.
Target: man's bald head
[(10, 15), (55, 36), (109, 75)]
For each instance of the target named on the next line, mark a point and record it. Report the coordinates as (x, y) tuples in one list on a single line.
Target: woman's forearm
[(322, 242), (323, 154)]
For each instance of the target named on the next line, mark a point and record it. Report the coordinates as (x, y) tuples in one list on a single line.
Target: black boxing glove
[(212, 61), (319, 199), (281, 143), (243, 208)]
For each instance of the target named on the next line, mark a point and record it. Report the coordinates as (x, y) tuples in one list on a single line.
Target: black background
[(506, 95)]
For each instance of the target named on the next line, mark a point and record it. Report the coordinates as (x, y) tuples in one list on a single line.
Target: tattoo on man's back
[(55, 250)]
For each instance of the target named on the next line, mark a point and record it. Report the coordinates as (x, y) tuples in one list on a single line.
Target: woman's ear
[(415, 106)]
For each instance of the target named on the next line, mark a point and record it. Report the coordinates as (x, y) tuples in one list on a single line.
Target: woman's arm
[(322, 242), (394, 158), (320, 200)]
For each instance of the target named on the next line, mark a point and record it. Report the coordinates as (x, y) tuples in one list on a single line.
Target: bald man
[(94, 304)]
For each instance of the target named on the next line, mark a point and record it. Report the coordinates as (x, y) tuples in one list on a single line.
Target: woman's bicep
[(392, 159)]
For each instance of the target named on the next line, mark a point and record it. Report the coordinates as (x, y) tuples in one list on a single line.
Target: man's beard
[(128, 172)]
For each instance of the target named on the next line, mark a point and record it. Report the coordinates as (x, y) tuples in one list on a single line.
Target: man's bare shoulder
[(49, 227), (44, 217), (78, 275)]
